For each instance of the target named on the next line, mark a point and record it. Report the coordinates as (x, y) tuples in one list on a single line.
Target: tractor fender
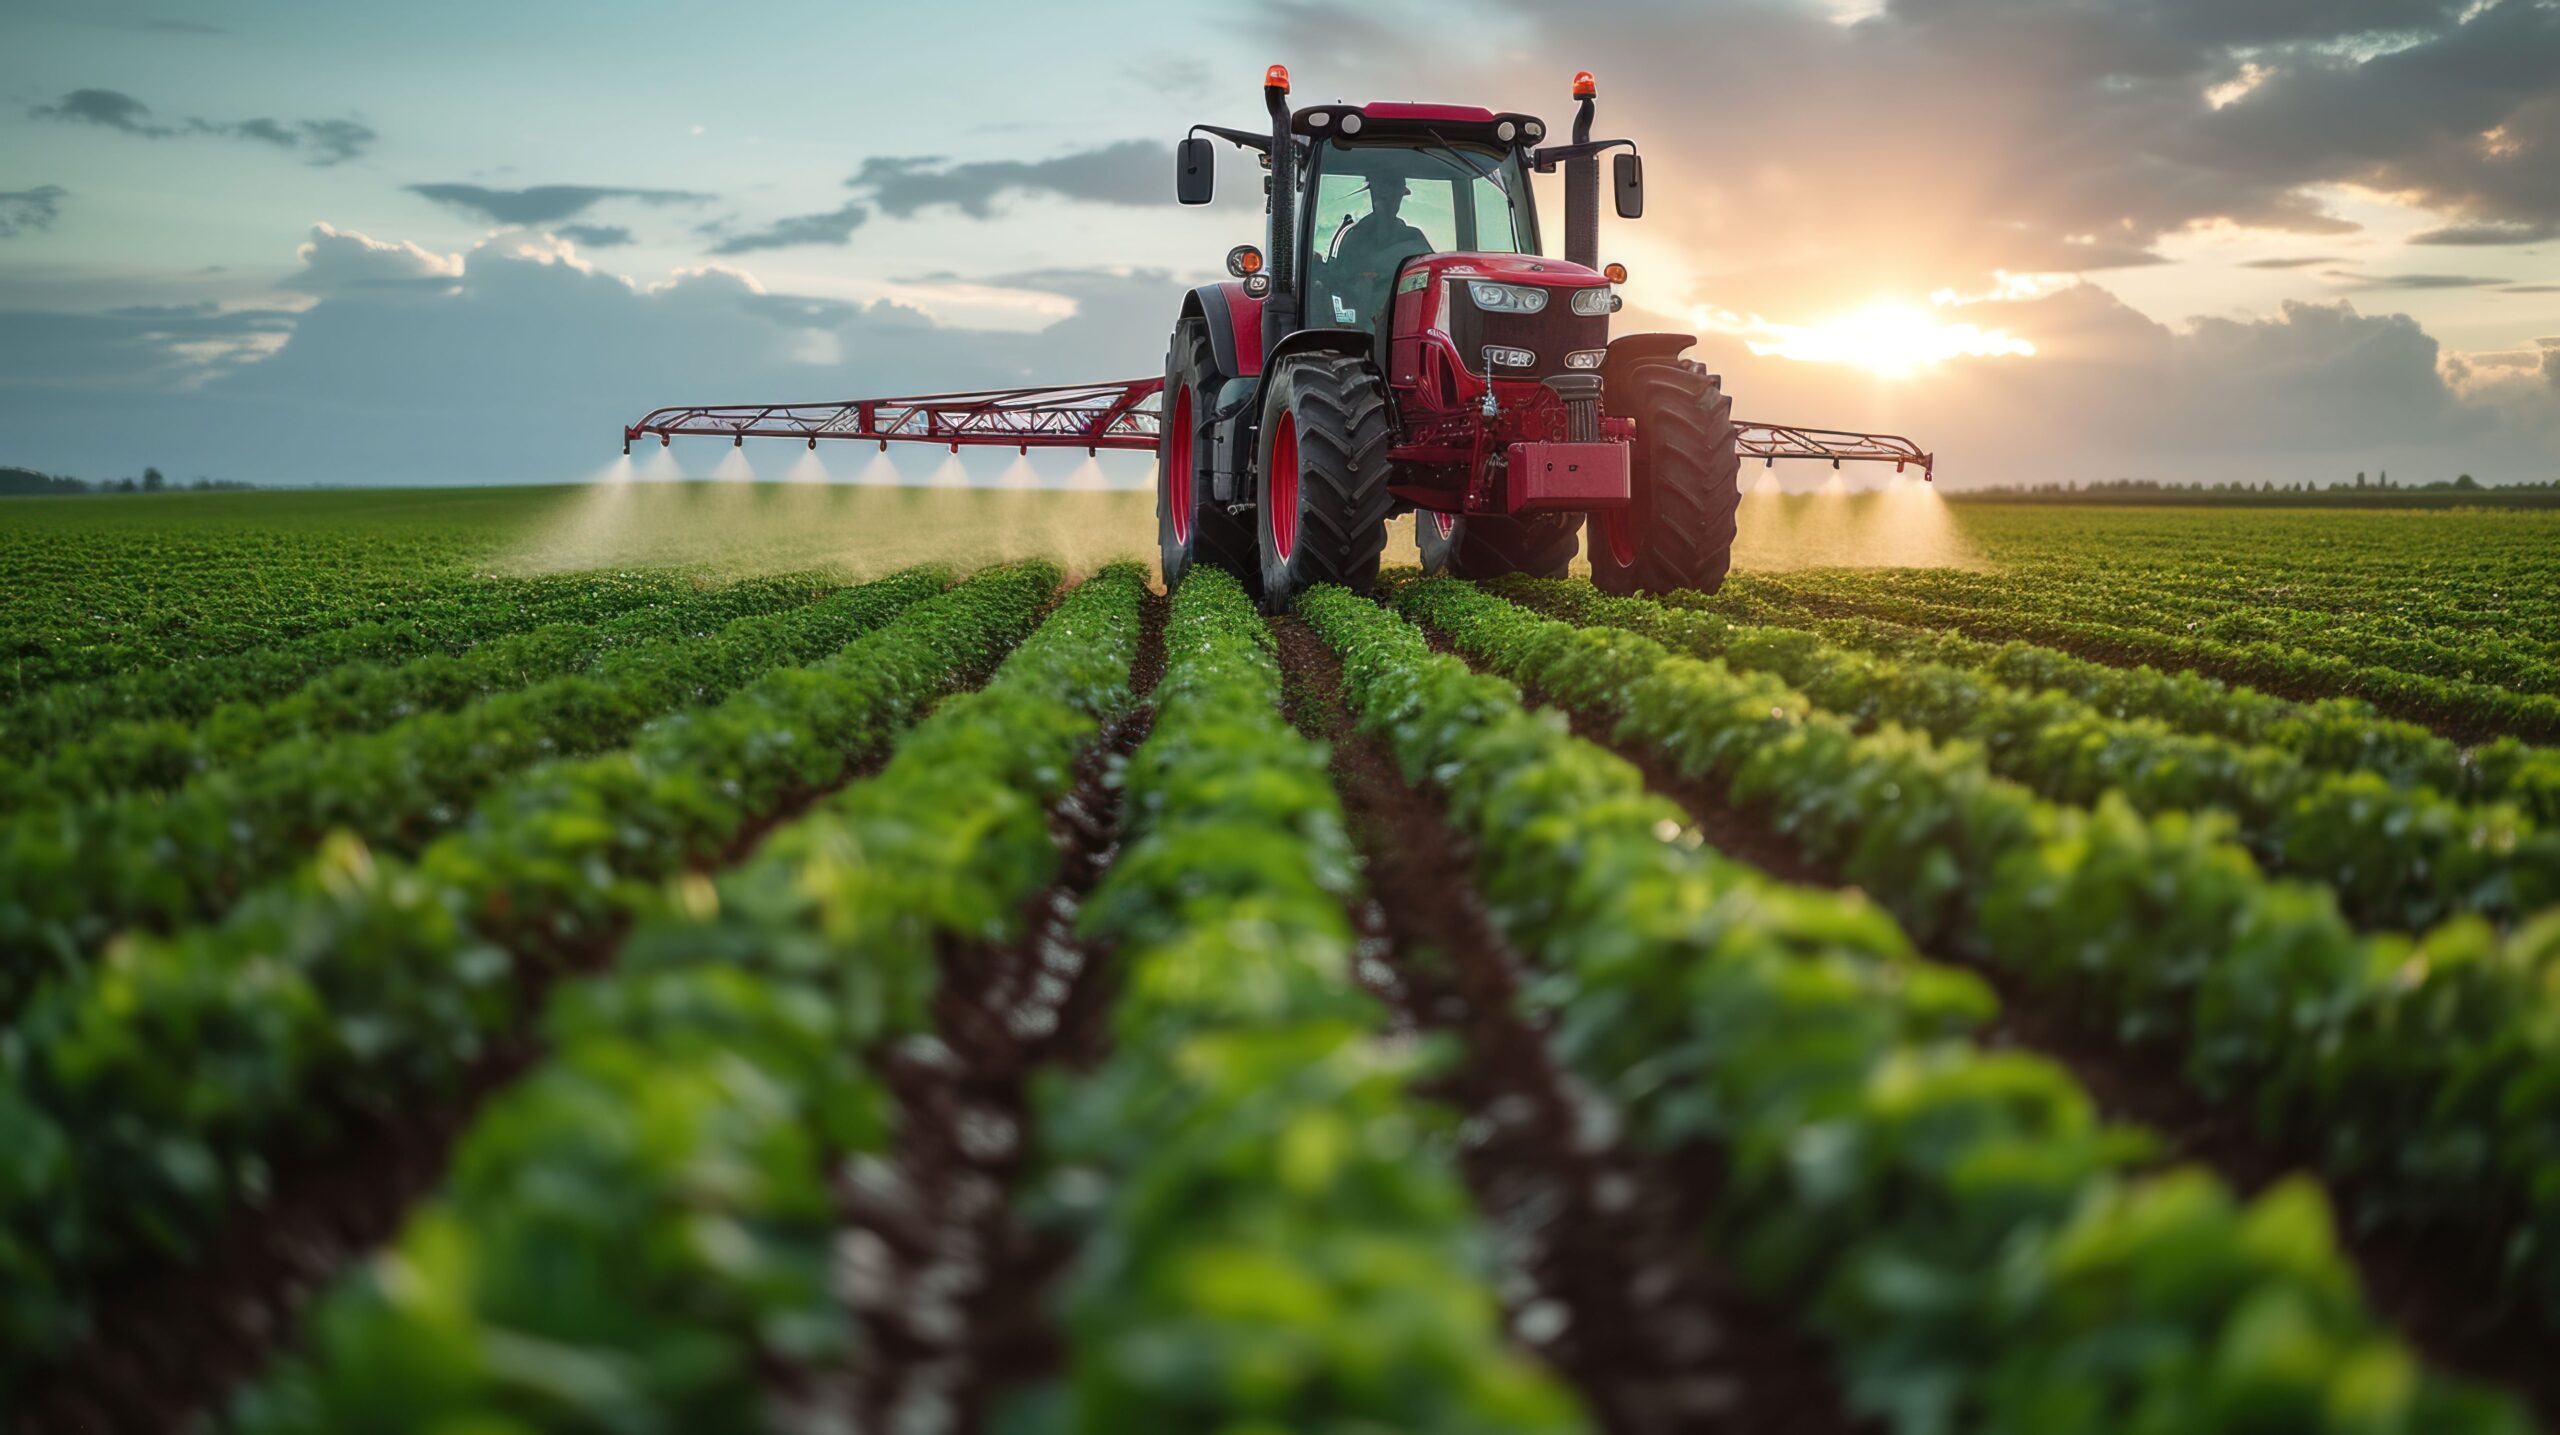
[(1356, 342), (1628, 350), (1229, 311)]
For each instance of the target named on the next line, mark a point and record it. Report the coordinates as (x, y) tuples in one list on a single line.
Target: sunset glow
[(1893, 341)]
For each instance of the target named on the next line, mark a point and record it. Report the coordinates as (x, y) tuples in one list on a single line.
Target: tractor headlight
[(1507, 298), (1586, 358), (1594, 300)]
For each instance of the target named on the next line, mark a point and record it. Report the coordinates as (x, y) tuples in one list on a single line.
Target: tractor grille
[(1549, 334)]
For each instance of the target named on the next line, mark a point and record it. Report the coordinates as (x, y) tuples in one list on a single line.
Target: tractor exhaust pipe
[(1582, 183), (1280, 311)]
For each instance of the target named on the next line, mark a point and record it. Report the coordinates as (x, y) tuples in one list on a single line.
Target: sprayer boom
[(1771, 442), (1121, 413)]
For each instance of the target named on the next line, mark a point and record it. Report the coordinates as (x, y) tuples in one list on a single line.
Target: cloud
[(336, 261), (2531, 289), (595, 236), (30, 209), (544, 203), (835, 228), (2425, 281), (2302, 263), (1936, 141), (326, 142), (1134, 172), (110, 108), (2488, 234), (547, 356), (51, 358)]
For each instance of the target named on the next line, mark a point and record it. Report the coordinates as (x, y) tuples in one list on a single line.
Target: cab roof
[(1391, 119)]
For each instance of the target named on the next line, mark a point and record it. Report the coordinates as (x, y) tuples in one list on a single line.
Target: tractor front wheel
[(1435, 537), (1323, 494), (1191, 525), (1677, 532), (1541, 545)]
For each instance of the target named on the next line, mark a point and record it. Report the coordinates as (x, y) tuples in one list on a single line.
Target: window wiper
[(1454, 154)]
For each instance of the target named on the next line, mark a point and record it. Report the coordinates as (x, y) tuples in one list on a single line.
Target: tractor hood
[(1535, 270)]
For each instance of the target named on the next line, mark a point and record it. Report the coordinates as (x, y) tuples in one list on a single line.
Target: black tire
[(1322, 477), (1678, 530), (1541, 545), (1435, 537), (1209, 534)]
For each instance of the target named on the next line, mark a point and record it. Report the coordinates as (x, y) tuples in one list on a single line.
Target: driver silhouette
[(1367, 253)]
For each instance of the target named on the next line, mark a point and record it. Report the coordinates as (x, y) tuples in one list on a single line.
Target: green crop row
[(2512, 656), (158, 753), (1959, 1221), (2340, 733), (145, 1092), (652, 1207), (95, 588), (448, 621), (2422, 1071), (210, 613), (1273, 1233), (2466, 704), (71, 877), (2395, 856)]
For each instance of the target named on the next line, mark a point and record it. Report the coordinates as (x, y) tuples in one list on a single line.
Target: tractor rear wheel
[(1191, 525), (1677, 530), (1323, 493), (1541, 545)]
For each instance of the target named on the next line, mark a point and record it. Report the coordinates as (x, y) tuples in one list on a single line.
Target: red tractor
[(1404, 347)]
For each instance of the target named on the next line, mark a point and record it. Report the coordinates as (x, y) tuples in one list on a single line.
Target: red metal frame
[(1120, 414), (1771, 442)]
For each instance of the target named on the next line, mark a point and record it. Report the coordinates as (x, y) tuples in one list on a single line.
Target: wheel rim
[(1280, 504), (1183, 459), (1618, 529)]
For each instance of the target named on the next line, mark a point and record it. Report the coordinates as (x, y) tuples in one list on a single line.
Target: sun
[(1893, 341)]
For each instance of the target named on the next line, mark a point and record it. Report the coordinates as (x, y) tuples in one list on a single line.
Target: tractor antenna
[(1280, 311), (1582, 182)]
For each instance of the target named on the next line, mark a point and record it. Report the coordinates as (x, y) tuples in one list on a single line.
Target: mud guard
[(1229, 311)]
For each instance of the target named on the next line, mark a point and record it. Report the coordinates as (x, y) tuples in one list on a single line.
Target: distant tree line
[(25, 482), (2462, 491)]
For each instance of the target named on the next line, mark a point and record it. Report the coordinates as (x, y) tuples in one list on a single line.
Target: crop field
[(852, 960)]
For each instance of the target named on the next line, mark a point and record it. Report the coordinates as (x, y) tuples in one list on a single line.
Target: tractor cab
[(1390, 191)]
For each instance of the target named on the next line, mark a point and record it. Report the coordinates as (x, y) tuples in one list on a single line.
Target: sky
[(290, 242)]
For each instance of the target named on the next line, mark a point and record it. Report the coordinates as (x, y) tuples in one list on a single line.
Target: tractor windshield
[(1370, 207)]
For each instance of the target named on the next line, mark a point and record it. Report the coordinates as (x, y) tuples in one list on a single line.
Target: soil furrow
[(943, 1278), (171, 1341), (1605, 1271), (2433, 1285)]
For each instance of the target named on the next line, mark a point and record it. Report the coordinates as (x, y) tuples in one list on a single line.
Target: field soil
[(1607, 1274), (946, 1281)]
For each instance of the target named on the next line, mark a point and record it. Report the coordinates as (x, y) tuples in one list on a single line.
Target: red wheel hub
[(1445, 523), (1280, 489), (1618, 527), (1184, 463)]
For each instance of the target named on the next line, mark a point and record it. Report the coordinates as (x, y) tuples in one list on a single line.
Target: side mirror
[(1627, 178), (1195, 170)]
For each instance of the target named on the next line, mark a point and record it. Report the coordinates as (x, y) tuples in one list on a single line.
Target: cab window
[(1375, 206)]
